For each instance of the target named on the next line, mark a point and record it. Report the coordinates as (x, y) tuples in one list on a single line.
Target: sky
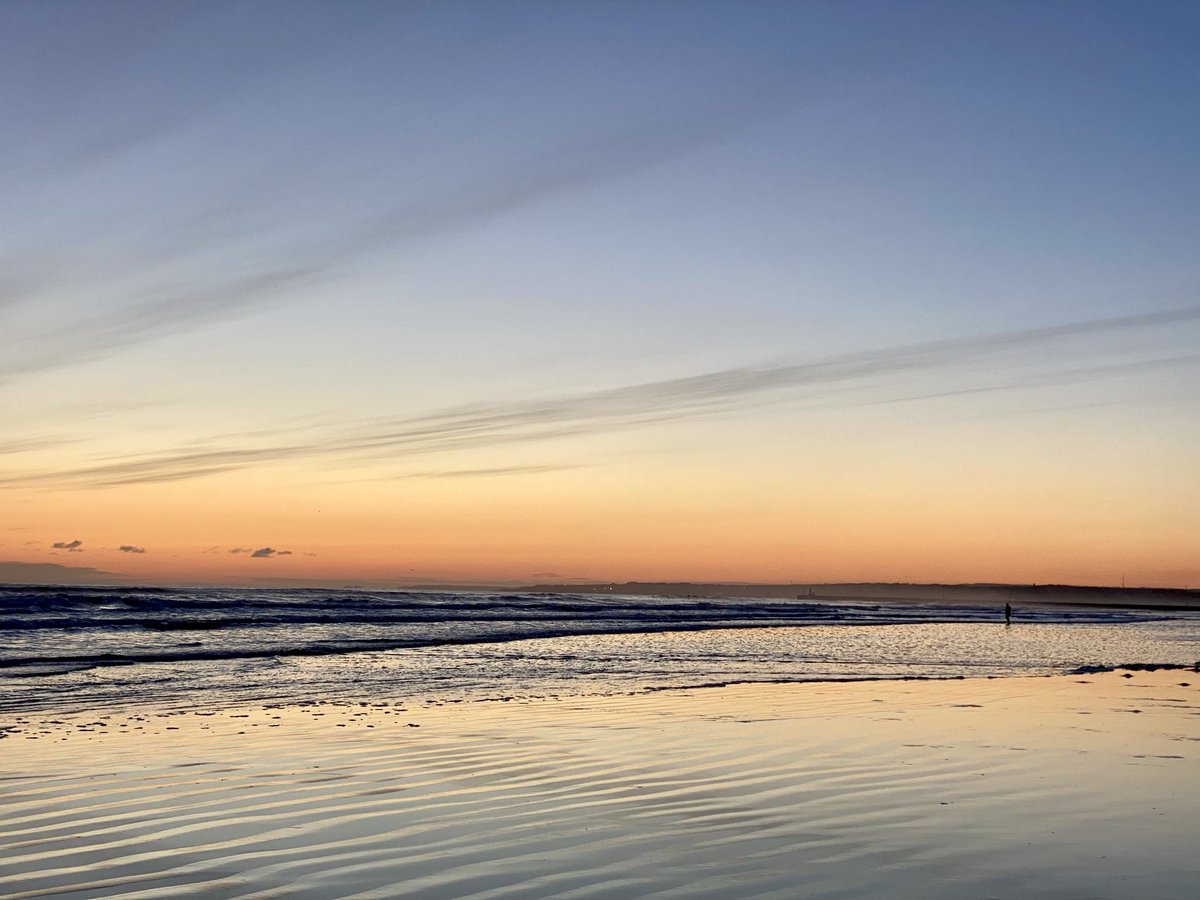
[(401, 293)]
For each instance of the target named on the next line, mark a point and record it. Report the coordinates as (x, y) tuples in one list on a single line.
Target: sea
[(74, 649)]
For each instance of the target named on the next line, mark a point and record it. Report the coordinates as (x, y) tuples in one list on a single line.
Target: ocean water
[(72, 649)]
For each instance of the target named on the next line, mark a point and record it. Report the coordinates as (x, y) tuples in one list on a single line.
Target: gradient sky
[(396, 292)]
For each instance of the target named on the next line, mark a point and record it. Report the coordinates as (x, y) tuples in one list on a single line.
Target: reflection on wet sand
[(1068, 785)]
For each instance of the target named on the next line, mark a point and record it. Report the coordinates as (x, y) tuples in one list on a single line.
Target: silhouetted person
[(1007, 614)]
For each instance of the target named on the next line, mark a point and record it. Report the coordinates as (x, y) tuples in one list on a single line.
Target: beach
[(1058, 786), (599, 450)]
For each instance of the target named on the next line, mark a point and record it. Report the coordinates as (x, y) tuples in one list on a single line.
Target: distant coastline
[(1153, 598), (1048, 594)]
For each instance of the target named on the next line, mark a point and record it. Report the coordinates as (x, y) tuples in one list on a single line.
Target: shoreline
[(1028, 785)]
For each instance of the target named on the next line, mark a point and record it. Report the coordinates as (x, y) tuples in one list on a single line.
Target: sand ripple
[(930, 790)]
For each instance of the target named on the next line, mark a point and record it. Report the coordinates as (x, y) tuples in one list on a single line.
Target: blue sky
[(228, 222)]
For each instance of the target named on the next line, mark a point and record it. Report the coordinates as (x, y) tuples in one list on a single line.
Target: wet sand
[(1068, 786)]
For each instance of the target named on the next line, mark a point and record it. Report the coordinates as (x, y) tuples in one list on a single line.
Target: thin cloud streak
[(171, 311), (1067, 376), (493, 472), (598, 160), (168, 310), (30, 445), (705, 395)]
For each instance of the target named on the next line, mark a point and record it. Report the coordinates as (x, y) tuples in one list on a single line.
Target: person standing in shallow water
[(1007, 614)]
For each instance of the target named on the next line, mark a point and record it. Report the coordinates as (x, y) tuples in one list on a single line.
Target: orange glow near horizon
[(624, 522)]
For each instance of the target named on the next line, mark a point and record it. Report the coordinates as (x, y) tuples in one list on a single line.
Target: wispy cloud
[(75, 546), (596, 160), (1076, 375), (166, 310), (493, 472), (708, 394), (130, 548), (31, 445), (169, 307)]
